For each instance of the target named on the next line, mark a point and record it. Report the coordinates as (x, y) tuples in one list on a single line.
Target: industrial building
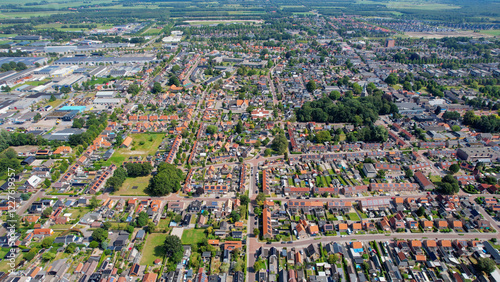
[(104, 101), (484, 154), (105, 94), (78, 60), (80, 109), (63, 135)]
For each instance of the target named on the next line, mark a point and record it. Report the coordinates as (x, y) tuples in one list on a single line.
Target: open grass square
[(354, 216), (153, 248), (192, 236), (143, 144), (140, 183)]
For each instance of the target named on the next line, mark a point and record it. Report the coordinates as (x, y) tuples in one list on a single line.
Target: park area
[(153, 249), (134, 186), (192, 236), (143, 145)]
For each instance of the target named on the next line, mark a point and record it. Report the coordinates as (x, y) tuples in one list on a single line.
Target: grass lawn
[(140, 182), (150, 143), (77, 213), (354, 216), (435, 178), (56, 103), (61, 226), (5, 264), (363, 215), (492, 32), (3, 252), (192, 236), (38, 83), (153, 249), (164, 223)]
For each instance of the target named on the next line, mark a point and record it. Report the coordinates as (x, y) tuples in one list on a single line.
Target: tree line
[(364, 110)]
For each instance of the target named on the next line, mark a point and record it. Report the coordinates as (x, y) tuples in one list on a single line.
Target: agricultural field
[(411, 5), (208, 22), (153, 248)]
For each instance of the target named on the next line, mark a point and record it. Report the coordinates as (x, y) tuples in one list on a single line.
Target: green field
[(77, 213), (136, 149), (192, 236), (26, 15), (354, 216), (209, 22), (153, 249), (140, 182), (411, 5), (492, 32), (152, 31)]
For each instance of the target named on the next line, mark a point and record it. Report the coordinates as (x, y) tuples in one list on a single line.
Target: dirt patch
[(135, 153), (24, 149), (439, 35)]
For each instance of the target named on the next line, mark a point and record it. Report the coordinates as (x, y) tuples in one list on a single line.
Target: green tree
[(106, 225), (94, 203), (421, 211), (46, 183), (260, 199), (100, 235), (239, 127), (175, 68), (142, 219), (211, 129), (448, 185), (235, 216), (71, 248), (78, 123), (37, 117), (31, 254), (156, 88), (173, 80), (451, 115), (166, 181), (151, 227), (333, 258), (280, 144), (134, 89), (94, 244), (256, 232), (392, 79), (244, 200), (486, 264), (311, 86), (47, 242), (454, 168), (323, 136), (48, 256), (173, 247), (268, 152), (47, 212)]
